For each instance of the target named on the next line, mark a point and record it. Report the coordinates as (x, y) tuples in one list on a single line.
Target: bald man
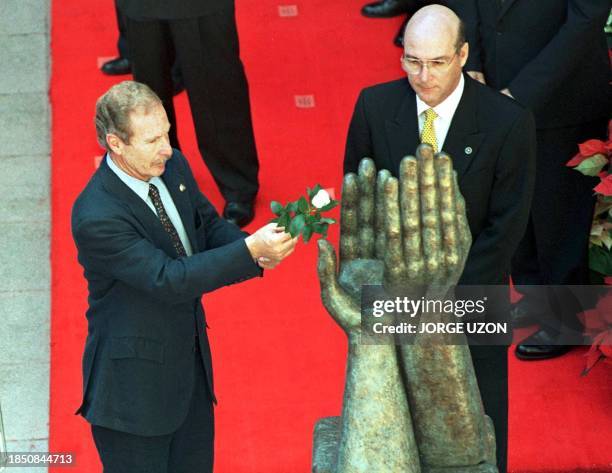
[(491, 139)]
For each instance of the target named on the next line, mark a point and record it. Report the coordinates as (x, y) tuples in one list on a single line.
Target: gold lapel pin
[(182, 188)]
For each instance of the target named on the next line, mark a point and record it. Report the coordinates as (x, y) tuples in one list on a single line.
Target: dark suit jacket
[(551, 54), (144, 301), (171, 9), (492, 142)]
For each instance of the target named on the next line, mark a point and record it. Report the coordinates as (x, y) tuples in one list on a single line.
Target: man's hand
[(476, 75), (270, 245)]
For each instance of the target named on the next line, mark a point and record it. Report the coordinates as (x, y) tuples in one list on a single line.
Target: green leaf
[(274, 220), (602, 207), (302, 205), (320, 228), (306, 233), (606, 239), (593, 165), (284, 221), (327, 220), (292, 207), (296, 225), (276, 207), (329, 206), (600, 260)]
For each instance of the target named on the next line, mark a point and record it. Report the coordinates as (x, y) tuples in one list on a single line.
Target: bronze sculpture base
[(325, 450)]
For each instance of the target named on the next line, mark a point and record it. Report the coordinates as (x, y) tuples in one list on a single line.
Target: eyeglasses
[(414, 66)]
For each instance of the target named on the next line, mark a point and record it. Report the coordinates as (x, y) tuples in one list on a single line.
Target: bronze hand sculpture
[(414, 407)]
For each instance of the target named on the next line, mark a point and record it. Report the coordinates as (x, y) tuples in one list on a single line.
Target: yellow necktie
[(429, 134)]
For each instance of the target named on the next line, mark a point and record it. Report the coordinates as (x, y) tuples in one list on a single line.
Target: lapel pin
[(182, 188), (468, 150)]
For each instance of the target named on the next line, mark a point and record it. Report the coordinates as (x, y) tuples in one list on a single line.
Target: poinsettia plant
[(594, 158)]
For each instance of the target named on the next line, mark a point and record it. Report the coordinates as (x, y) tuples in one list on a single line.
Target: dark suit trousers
[(208, 54), (554, 250), (190, 449)]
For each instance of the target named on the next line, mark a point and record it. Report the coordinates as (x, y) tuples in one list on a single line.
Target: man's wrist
[(252, 246)]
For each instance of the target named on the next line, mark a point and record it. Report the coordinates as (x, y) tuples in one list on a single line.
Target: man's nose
[(166, 148), (424, 73)]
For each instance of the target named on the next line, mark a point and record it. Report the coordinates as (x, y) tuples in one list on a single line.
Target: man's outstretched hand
[(270, 245)]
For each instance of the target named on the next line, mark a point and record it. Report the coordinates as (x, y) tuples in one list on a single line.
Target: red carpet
[(279, 358)]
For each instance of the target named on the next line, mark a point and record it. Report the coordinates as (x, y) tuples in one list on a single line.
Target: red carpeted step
[(279, 358)]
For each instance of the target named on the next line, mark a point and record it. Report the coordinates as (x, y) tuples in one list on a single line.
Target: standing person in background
[(203, 37), (552, 57), (121, 64), (391, 8)]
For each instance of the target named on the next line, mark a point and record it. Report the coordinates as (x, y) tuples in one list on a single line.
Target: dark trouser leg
[(561, 215), (192, 447), (216, 84), (491, 368), (187, 450), (152, 55), (122, 44), (121, 452)]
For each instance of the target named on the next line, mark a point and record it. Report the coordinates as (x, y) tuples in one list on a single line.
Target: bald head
[(436, 21), (434, 53)]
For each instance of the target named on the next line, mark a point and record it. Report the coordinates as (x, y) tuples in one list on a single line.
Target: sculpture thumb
[(326, 265)]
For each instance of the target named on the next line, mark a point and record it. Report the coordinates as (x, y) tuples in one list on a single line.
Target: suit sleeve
[(219, 231), (509, 205), (358, 141), (559, 58), (467, 10), (113, 248)]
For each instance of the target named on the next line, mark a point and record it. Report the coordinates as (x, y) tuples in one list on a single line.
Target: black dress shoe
[(117, 67), (239, 213), (388, 8), (399, 38), (541, 346)]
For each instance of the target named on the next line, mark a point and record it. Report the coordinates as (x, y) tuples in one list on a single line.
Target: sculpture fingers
[(410, 211), (448, 213), (380, 245), (349, 223), (395, 267), (337, 302), (367, 184), (430, 217)]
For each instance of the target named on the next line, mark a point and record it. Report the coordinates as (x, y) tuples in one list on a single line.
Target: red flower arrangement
[(595, 159)]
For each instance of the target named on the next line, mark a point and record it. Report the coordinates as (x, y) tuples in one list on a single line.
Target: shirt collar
[(445, 109), (141, 188)]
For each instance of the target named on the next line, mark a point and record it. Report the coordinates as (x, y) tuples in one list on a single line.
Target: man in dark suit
[(492, 142), (552, 57), (151, 244), (202, 36)]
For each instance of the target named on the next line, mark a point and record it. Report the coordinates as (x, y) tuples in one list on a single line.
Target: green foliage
[(592, 166), (301, 217)]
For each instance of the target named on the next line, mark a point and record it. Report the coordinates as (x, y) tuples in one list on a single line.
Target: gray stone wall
[(25, 224)]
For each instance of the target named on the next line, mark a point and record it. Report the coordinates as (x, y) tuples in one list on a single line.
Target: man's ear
[(115, 143), (464, 52)]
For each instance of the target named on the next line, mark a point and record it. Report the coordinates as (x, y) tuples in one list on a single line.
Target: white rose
[(321, 199)]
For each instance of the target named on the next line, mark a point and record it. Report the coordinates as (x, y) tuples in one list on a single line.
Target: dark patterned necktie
[(165, 220)]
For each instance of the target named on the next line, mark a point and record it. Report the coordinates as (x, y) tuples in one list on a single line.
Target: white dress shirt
[(445, 111), (141, 189)]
